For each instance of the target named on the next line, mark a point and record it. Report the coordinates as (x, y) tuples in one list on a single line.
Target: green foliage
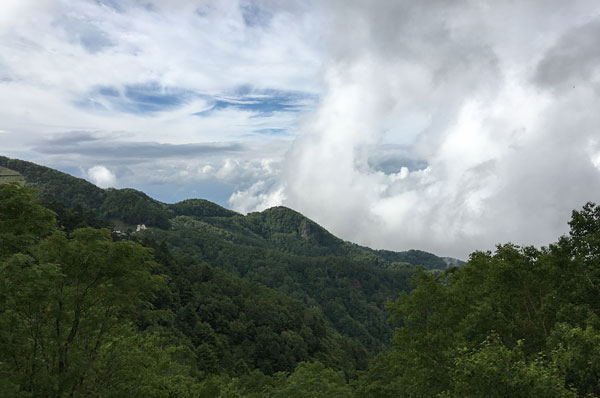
[(278, 228), (71, 219), (72, 293), (308, 380), (291, 232), (351, 293), (521, 322), (127, 205), (199, 208), (22, 220), (58, 186), (584, 244), (282, 249), (235, 325), (69, 328), (134, 207), (67, 303), (494, 370), (83, 315), (142, 366), (313, 380), (277, 247), (576, 354), (415, 257)]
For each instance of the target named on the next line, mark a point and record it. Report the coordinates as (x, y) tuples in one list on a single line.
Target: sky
[(446, 126)]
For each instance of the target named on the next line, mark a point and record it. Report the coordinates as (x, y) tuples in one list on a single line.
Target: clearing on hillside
[(8, 176)]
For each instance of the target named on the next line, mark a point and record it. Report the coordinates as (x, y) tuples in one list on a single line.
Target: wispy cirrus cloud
[(145, 99), (261, 102), (125, 85)]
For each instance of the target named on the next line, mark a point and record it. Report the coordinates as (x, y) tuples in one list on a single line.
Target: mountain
[(122, 316), (279, 227), (272, 305), (278, 247), (419, 257)]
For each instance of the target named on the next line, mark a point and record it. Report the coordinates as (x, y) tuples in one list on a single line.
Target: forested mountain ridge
[(279, 228), (66, 189), (86, 313), (279, 248)]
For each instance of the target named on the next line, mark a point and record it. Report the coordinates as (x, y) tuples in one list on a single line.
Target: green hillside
[(7, 176), (279, 228), (279, 248), (425, 259), (78, 306), (224, 305)]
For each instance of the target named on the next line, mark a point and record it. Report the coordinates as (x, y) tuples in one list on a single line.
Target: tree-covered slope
[(425, 259), (66, 189), (125, 205), (87, 313), (519, 322), (84, 315), (279, 248), (199, 208), (352, 294), (236, 325), (279, 228)]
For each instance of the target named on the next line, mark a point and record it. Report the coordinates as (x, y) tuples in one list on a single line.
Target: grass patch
[(7, 176)]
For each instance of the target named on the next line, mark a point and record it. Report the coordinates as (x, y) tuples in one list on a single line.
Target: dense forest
[(211, 303), (278, 248)]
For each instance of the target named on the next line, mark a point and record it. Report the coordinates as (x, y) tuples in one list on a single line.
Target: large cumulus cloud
[(494, 103)]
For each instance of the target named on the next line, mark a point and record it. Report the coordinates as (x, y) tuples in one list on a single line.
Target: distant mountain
[(279, 228), (277, 247), (213, 322), (419, 257)]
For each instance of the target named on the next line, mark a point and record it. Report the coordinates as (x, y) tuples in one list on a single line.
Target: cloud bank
[(499, 120)]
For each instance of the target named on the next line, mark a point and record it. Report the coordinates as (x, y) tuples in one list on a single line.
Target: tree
[(576, 353), (63, 300), (22, 220), (313, 380), (495, 371)]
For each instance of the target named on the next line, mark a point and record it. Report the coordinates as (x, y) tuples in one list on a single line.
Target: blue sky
[(443, 126)]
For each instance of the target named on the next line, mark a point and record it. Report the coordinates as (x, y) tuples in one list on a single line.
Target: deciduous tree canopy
[(227, 305)]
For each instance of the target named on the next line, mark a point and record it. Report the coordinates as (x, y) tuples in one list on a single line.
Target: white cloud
[(258, 196), (506, 157), (55, 55), (102, 177)]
